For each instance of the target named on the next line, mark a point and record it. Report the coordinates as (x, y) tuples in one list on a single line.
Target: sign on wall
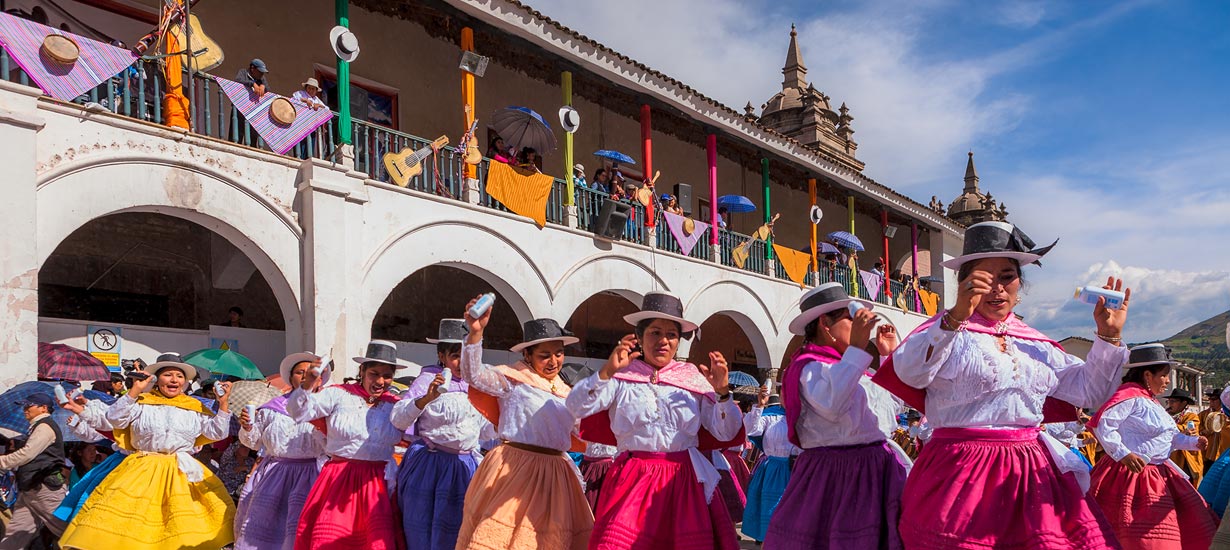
[(105, 343), (224, 343)]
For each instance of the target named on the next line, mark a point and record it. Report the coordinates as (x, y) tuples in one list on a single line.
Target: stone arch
[(741, 304), (470, 247), (623, 275), (266, 233)]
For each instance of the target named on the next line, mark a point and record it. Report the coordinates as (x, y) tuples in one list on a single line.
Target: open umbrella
[(224, 361), (736, 204), (845, 240), (740, 378), (522, 127), (61, 362), (251, 392), (13, 419), (753, 389), (614, 156)]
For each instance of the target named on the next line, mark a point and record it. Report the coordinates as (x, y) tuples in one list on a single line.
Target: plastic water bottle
[(1191, 425), (1090, 294), (483, 304), (855, 306), (448, 379), (768, 385), (251, 410), (219, 390), (61, 398)]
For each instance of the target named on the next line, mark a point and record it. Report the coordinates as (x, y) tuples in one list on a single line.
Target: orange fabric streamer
[(523, 191), (794, 262), (174, 103), (930, 301)]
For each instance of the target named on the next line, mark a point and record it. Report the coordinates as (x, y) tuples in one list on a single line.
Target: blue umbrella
[(13, 418), (522, 127), (740, 378), (736, 204), (614, 156), (846, 240)]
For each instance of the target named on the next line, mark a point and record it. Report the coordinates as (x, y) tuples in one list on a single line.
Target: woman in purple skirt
[(273, 496), (845, 490)]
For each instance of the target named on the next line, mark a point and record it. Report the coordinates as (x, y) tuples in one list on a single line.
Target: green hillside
[(1203, 345)]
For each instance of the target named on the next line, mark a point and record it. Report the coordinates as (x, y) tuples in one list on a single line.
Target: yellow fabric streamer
[(123, 436), (930, 301), (794, 262), (524, 192)]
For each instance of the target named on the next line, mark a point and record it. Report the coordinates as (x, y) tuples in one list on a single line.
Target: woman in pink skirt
[(661, 492), (990, 477), (1149, 501)]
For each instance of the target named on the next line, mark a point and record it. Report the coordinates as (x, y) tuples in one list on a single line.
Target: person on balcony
[(1149, 501), (671, 204), (845, 491), (350, 505), (529, 159), (527, 492), (310, 95), (160, 496), (253, 77), (273, 496), (723, 213), (602, 181), (989, 476), (578, 176), (446, 430), (498, 151), (663, 415)]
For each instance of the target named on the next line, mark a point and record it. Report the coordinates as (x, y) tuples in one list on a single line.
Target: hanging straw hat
[(282, 111), (60, 49)]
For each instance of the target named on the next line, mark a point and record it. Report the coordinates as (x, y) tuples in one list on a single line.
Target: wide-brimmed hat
[(1180, 393), (660, 305), (174, 361), (293, 359), (345, 43), (997, 240), (569, 118), (452, 331), (818, 301), (381, 351), (538, 331), (1148, 354), (578, 167), (311, 82)]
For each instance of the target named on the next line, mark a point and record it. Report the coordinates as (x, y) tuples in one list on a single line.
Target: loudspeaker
[(473, 63), (612, 220), (683, 193)]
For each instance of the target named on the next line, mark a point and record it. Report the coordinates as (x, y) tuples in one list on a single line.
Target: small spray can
[(1191, 425), (61, 398), (1090, 294), (251, 410), (483, 304), (448, 379)]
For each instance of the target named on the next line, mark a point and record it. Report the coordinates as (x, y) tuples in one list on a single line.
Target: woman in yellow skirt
[(160, 497), (526, 494)]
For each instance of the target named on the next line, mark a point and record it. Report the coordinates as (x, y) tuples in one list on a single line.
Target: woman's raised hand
[(620, 358), (1110, 321)]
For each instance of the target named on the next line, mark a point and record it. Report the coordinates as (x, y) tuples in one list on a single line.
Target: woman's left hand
[(718, 375), (1110, 321), (886, 339)]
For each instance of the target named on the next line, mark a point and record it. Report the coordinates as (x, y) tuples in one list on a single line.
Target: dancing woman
[(772, 473), (527, 492), (273, 497), (661, 491), (985, 377), (1150, 502), (845, 490), (350, 505), (160, 496)]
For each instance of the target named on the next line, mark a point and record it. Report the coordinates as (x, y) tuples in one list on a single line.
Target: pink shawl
[(1126, 391), (792, 401)]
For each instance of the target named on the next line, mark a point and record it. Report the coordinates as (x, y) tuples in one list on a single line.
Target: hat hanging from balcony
[(262, 113), (569, 118), (660, 305), (538, 331), (997, 240), (823, 299), (55, 68), (345, 44), (282, 111), (452, 331)]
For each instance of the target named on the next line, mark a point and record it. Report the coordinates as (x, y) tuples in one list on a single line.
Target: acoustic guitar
[(468, 147), (409, 162), (207, 60)]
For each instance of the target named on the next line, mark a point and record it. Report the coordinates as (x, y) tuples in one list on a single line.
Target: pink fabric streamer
[(96, 64), (872, 282), (686, 242), (280, 138)]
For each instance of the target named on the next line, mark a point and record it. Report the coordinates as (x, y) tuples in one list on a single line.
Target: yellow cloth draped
[(930, 301), (123, 436), (523, 191), (146, 503), (794, 262)]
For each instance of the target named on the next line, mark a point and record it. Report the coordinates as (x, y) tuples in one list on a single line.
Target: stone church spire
[(971, 175), (794, 71)]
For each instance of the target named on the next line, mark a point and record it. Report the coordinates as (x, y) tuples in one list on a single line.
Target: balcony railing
[(137, 93)]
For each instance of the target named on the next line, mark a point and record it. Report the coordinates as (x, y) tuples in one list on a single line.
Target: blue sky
[(1103, 124)]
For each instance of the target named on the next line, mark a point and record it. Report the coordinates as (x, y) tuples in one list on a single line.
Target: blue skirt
[(81, 492), (1215, 487), (431, 490), (763, 493)]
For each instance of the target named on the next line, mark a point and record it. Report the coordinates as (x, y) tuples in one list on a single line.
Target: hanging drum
[(282, 111), (60, 49)]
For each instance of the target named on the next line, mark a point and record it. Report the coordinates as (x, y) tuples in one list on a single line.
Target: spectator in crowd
[(618, 194), (253, 77), (528, 159), (234, 317), (723, 213), (602, 180), (40, 479), (878, 269), (310, 95), (498, 151), (671, 204), (578, 176)]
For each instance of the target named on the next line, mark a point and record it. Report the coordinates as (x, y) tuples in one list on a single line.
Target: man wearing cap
[(40, 479), (1191, 462), (253, 77)]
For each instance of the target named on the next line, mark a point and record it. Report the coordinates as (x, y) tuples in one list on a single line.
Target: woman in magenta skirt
[(990, 477)]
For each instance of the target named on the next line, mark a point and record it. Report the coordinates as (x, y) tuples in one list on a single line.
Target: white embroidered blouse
[(1139, 425), (528, 415), (841, 405), (277, 435)]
